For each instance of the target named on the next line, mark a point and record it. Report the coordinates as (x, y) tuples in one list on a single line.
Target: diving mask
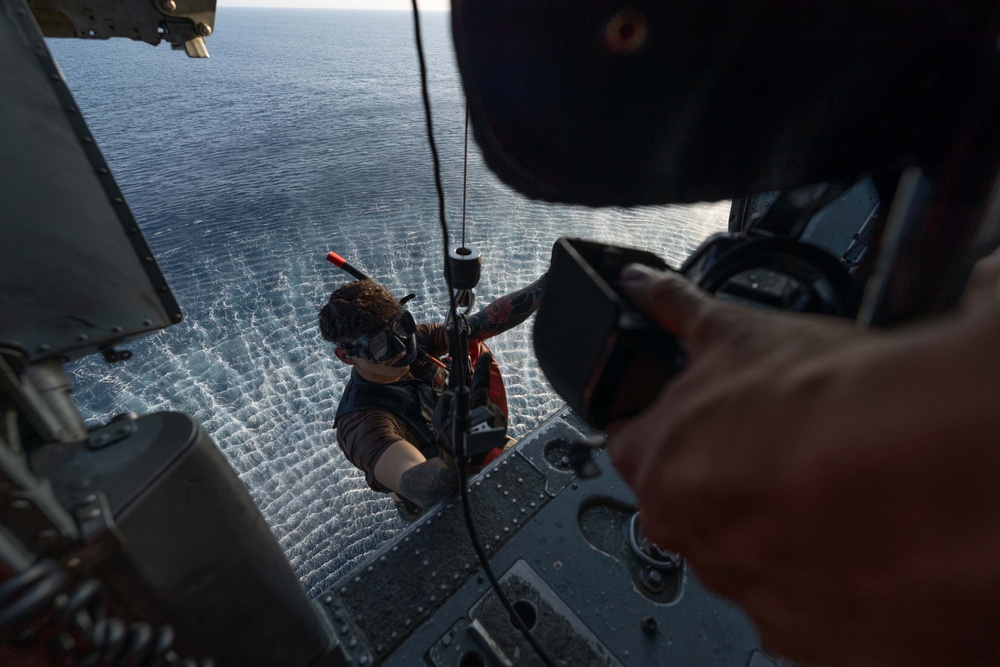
[(396, 336)]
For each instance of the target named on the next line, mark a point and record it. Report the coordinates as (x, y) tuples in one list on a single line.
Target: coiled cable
[(74, 628)]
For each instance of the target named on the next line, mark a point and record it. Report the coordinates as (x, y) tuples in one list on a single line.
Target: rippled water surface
[(304, 133)]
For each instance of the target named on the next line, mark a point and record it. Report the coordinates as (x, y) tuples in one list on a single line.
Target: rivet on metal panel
[(204, 29), (147, 323), (168, 5), (116, 329), (82, 338), (103, 170), (44, 347), (87, 140), (119, 200)]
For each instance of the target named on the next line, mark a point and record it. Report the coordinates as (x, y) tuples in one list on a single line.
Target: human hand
[(843, 487)]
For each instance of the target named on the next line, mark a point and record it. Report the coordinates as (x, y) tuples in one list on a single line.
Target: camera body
[(609, 361), (603, 357)]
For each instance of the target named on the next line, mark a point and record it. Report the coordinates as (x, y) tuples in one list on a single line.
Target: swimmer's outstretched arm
[(508, 311)]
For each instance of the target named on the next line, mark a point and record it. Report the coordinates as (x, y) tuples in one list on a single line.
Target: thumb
[(669, 299)]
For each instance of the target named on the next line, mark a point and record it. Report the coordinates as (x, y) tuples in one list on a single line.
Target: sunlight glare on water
[(304, 133)]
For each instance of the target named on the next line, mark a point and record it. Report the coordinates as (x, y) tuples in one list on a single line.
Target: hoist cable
[(470, 526), (465, 170), (453, 307)]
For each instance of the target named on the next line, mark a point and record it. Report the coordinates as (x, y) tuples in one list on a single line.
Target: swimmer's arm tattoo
[(428, 482), (508, 311)]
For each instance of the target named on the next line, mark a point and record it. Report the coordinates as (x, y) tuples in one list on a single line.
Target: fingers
[(669, 299)]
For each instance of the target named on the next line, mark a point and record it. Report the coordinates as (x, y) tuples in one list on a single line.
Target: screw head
[(168, 5)]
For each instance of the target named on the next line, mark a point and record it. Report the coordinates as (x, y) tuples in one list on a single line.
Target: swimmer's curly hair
[(355, 309)]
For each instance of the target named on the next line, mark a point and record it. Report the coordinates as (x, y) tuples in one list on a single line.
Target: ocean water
[(304, 133)]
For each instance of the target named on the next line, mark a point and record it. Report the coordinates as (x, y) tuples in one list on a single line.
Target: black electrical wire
[(462, 459)]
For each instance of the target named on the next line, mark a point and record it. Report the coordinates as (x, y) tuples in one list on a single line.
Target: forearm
[(428, 482), (508, 311)]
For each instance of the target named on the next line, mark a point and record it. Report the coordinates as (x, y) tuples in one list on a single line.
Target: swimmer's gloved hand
[(487, 423)]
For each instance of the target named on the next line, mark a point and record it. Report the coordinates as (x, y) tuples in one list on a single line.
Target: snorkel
[(396, 341)]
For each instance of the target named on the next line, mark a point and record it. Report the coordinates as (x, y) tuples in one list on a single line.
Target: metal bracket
[(119, 428)]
